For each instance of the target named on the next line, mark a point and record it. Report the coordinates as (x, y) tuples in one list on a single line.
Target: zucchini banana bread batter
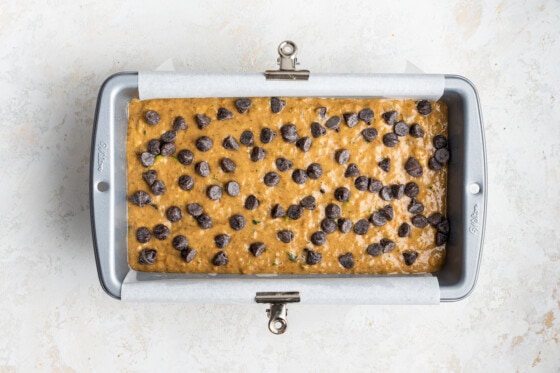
[(287, 185)]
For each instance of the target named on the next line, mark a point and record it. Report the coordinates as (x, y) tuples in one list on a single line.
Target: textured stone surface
[(55, 55)]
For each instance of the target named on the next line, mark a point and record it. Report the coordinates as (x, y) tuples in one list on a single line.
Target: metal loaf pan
[(466, 184)]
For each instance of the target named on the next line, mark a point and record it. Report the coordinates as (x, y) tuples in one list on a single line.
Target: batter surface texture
[(287, 185)]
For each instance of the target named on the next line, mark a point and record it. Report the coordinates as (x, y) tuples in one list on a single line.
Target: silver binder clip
[(287, 61), (278, 312)]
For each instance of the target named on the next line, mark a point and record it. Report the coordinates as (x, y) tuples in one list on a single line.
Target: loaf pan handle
[(473, 186), (107, 184)]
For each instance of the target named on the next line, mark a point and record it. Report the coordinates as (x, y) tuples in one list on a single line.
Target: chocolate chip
[(308, 203), (185, 157), (374, 185), (295, 212), (312, 257), (154, 146), (342, 194), (318, 238), (419, 221), (415, 207), (158, 187), (161, 232), (442, 155), (271, 179), (386, 193), (277, 105), (388, 212), (230, 143), (328, 225), (314, 171), (168, 149), (346, 260), (243, 105), (186, 182), (443, 226), (333, 211), (180, 242), (202, 120), (220, 259), (224, 114), (258, 154), (214, 192), (299, 176), (202, 169), (143, 235), (222, 240), (150, 176), (285, 236), (283, 164), (398, 191), (344, 225), (169, 136), (247, 138), (433, 164), (369, 134), (411, 189), (390, 117), (174, 214), (257, 248), (361, 227), (237, 222), (317, 130), (441, 238), (374, 249), (227, 165), (390, 140), (251, 203), (179, 124), (152, 117), (277, 211), (342, 156), (147, 256), (366, 115), (304, 144), (322, 111), (435, 219), (351, 119), (141, 199), (232, 188), (204, 143), (188, 254), (401, 129), (404, 230), (147, 159), (416, 131), (387, 245), (409, 257), (378, 219), (361, 183), (267, 135), (385, 164), (424, 107), (204, 221), (333, 123), (194, 209), (352, 170), (289, 133), (413, 167), (439, 141)]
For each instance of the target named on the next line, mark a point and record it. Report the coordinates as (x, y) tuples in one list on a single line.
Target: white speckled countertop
[(55, 54)]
